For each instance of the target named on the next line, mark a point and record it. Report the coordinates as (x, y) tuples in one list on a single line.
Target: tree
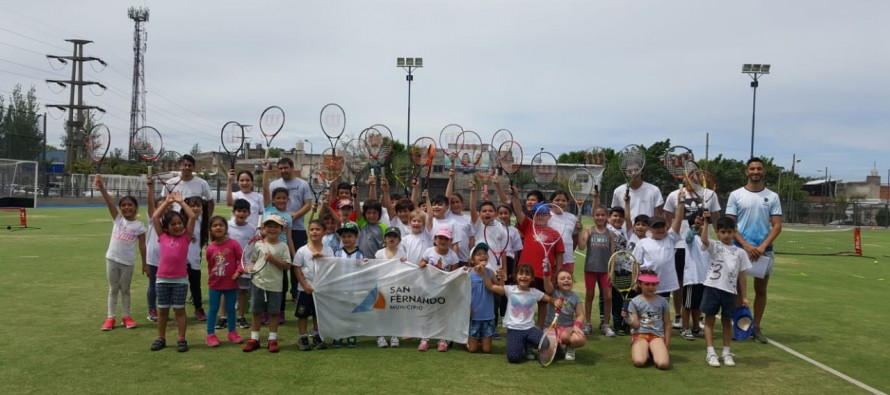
[(572, 157), (20, 131), (196, 149)]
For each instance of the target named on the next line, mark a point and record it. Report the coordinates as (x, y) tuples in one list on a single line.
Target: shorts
[(262, 301), (680, 263), (569, 266), (666, 295), (171, 295), (692, 295), (591, 279), (648, 337), (482, 329), (305, 305), (244, 283), (718, 301)]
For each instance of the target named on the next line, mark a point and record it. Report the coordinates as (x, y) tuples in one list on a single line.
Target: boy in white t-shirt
[(657, 252), (725, 280)]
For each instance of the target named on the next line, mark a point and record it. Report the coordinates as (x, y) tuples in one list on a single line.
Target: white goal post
[(18, 183)]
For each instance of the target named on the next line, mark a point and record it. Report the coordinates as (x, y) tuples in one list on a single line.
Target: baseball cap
[(344, 203), (276, 219), (393, 231), (444, 231), (542, 208), (348, 227), (647, 278), (479, 245), (656, 220)]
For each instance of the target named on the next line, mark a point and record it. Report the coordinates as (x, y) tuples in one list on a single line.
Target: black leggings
[(195, 286)]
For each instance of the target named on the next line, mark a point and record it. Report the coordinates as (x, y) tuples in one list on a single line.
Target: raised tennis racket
[(331, 166), (498, 239), (356, 157), (423, 152), (450, 142), (510, 158), (701, 184), (148, 143), (333, 122), (271, 122), (596, 156), (471, 151), (97, 143), (232, 138), (581, 183), (623, 271), (402, 167), (631, 159), (674, 161), (549, 342), (378, 142), (544, 169), (499, 138), (548, 225)]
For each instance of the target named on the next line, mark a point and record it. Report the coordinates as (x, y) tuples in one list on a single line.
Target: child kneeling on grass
[(648, 315)]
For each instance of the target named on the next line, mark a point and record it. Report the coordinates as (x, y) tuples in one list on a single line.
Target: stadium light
[(409, 65), (755, 70)]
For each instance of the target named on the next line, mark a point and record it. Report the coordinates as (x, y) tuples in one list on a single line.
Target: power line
[(32, 67), (21, 48), (33, 39)]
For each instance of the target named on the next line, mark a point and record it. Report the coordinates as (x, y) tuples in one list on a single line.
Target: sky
[(560, 75)]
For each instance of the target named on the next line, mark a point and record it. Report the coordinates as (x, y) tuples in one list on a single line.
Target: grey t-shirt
[(570, 304), (370, 239), (650, 314), (598, 252)]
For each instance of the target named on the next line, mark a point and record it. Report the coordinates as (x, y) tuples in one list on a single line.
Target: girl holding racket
[(246, 192), (649, 317), (120, 259), (522, 297), (571, 315), (223, 257), (599, 243), (570, 231), (174, 230)]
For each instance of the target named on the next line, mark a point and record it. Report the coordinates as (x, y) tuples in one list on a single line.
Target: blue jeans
[(150, 294)]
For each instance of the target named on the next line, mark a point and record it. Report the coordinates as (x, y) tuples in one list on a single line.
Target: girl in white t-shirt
[(419, 239), (570, 231), (246, 192), (121, 255), (520, 321)]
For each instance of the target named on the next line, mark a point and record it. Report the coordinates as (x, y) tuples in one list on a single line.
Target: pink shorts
[(591, 279), (570, 267)]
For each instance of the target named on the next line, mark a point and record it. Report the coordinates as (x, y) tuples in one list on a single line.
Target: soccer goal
[(18, 183), (819, 240)]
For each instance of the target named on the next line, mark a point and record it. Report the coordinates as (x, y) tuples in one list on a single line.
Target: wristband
[(577, 324)]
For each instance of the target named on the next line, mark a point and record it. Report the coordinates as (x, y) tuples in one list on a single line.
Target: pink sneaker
[(424, 345), (212, 340), (128, 322), (234, 338), (443, 346), (109, 324)]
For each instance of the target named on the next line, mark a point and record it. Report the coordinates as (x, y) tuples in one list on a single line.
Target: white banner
[(382, 297)]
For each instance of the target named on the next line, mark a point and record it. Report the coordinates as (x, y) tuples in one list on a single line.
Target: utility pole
[(137, 107), (74, 142)]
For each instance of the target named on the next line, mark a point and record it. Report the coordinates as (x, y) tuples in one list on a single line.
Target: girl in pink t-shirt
[(223, 255), (174, 231)]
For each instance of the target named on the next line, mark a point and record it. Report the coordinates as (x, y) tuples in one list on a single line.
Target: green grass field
[(54, 290)]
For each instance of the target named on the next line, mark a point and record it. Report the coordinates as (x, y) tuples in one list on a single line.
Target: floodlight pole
[(409, 65), (755, 71)]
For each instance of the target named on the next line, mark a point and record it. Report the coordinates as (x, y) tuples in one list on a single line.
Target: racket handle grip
[(372, 172), (148, 171)]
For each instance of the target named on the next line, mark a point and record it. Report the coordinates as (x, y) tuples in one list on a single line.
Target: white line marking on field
[(827, 368)]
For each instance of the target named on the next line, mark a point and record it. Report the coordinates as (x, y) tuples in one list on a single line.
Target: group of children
[(506, 283)]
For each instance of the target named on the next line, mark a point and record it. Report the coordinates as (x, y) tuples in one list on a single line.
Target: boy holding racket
[(272, 259), (726, 279), (657, 252)]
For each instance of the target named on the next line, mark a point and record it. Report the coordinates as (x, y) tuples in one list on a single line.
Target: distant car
[(841, 222)]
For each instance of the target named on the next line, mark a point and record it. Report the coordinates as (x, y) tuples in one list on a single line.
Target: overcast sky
[(562, 75)]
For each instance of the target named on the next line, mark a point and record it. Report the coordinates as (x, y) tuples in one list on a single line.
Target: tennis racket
[(423, 152), (148, 143), (544, 169), (450, 142), (97, 143), (548, 226), (581, 183), (247, 256), (674, 161), (510, 158), (402, 167), (623, 271), (271, 122), (378, 142), (356, 158), (498, 239), (631, 159), (499, 138), (471, 151), (317, 183), (333, 122), (232, 138), (331, 166), (487, 167), (549, 342), (596, 156)]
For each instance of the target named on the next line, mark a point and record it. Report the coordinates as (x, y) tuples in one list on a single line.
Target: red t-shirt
[(336, 210), (533, 251), (223, 260)]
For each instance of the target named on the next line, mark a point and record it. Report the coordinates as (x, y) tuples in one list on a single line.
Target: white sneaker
[(529, 353), (687, 334), (381, 342), (727, 360), (586, 328), (570, 354), (676, 323), (713, 361), (394, 342), (607, 330)]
